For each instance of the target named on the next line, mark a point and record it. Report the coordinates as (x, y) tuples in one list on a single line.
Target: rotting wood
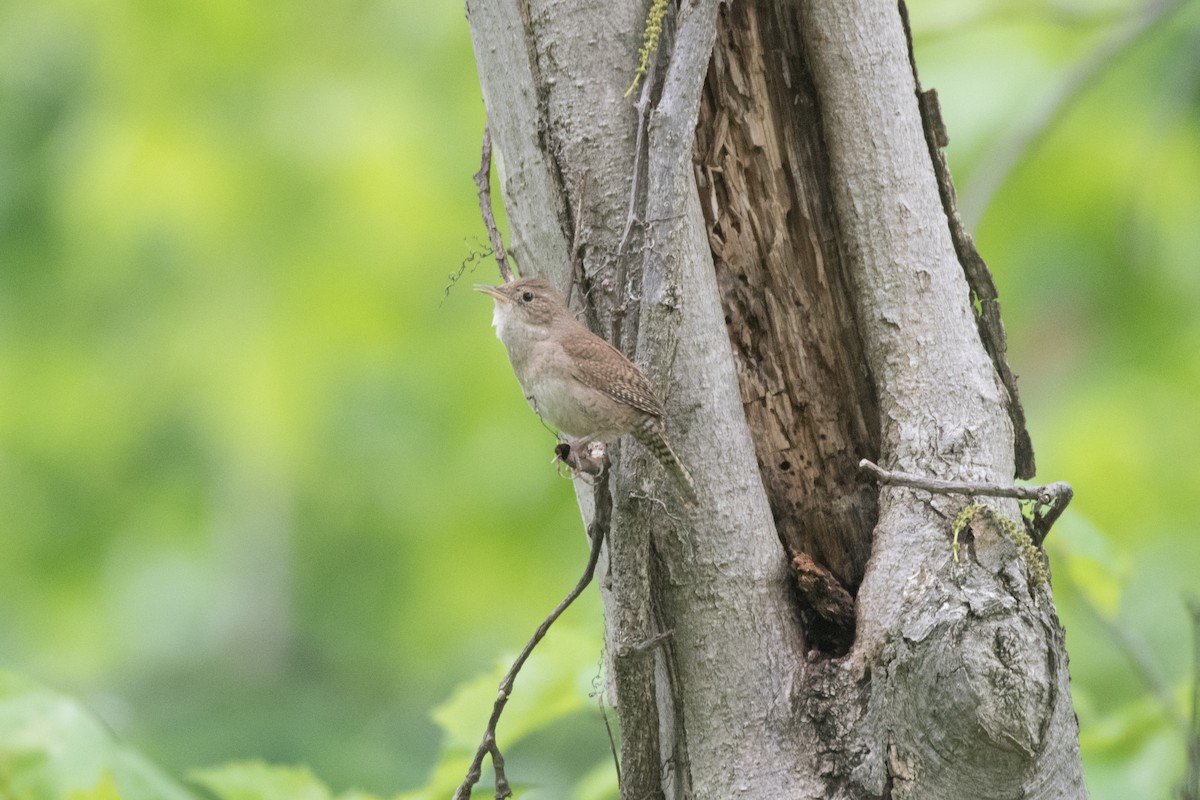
[(809, 402)]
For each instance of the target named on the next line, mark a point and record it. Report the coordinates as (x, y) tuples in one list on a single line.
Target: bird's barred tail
[(652, 436)]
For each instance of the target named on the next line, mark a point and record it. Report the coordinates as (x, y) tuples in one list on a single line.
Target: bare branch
[(644, 647), (1048, 494), (488, 745), (483, 184), (1054, 496), (502, 788)]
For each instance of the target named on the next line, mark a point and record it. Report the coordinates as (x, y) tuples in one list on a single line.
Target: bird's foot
[(581, 459)]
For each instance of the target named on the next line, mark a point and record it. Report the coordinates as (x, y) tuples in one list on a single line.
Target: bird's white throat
[(500, 316)]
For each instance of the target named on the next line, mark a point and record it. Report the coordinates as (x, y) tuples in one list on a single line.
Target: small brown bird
[(575, 380)]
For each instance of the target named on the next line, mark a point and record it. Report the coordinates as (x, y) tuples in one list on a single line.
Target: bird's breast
[(577, 410)]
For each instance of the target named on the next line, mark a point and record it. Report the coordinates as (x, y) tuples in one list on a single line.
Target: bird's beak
[(494, 291)]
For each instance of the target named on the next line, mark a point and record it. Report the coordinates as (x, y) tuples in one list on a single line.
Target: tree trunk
[(775, 252)]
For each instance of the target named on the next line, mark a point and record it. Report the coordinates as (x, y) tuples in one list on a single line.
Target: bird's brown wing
[(598, 364)]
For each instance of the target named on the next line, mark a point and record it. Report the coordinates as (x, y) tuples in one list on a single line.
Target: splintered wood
[(808, 398)]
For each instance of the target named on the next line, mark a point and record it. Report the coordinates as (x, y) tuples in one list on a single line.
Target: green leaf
[(553, 684), (255, 780), (600, 783), (106, 789), (53, 748), (1090, 561), (547, 689), (447, 775)]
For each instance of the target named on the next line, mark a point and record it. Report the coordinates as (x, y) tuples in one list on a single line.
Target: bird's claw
[(582, 459)]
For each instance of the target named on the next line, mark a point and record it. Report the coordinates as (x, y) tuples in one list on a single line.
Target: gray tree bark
[(791, 285)]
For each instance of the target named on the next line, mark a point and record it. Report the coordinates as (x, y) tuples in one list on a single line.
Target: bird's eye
[(527, 297)]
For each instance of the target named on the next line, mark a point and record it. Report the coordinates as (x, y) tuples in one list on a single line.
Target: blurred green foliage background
[(267, 486)]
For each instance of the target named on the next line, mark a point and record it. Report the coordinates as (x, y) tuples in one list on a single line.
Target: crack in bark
[(760, 162), (545, 130)]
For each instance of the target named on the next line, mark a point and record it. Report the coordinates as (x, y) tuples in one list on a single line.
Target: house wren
[(575, 380)]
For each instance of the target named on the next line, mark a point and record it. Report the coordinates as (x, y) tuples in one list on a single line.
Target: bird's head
[(530, 306)]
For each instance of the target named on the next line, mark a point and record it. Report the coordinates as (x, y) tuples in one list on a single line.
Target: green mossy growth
[(650, 39), (1014, 531)]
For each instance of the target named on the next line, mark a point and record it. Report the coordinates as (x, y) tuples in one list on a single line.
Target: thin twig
[(488, 744), (612, 741), (631, 215), (483, 184), (649, 644), (1053, 496), (1048, 494), (993, 171), (503, 790), (467, 263)]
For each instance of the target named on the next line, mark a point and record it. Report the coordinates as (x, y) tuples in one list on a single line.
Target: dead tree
[(766, 226)]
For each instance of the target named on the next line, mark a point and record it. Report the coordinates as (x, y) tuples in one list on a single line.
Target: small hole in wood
[(785, 465)]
